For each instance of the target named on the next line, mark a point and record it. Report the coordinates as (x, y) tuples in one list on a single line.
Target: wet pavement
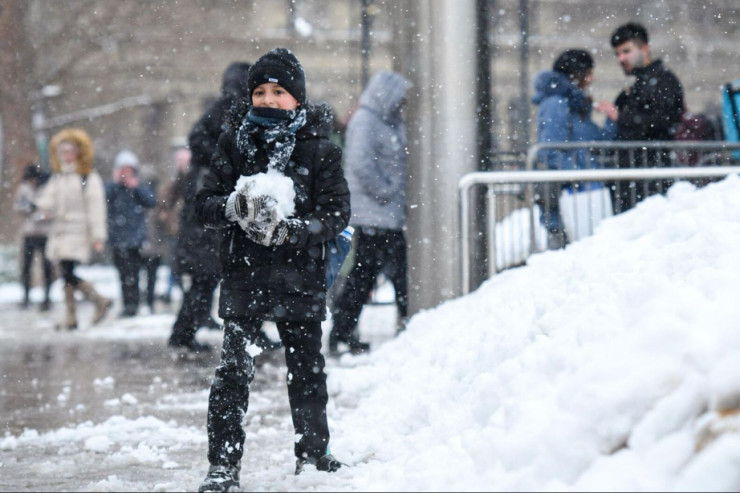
[(59, 380), (112, 408)]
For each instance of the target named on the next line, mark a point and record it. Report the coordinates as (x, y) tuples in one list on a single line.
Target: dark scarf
[(272, 129)]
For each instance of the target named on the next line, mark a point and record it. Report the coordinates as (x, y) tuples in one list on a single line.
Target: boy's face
[(272, 95), (631, 55)]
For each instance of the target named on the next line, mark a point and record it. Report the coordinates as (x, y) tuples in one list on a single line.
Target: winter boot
[(190, 345), (45, 305), (26, 300), (220, 478), (356, 346), (70, 320), (326, 463), (102, 304)]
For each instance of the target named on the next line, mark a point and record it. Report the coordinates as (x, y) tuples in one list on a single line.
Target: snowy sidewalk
[(112, 408)]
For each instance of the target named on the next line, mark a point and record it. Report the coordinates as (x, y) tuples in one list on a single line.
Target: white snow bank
[(596, 367)]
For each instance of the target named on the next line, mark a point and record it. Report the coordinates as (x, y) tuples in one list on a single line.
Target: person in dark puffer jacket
[(128, 201), (272, 257), (197, 249)]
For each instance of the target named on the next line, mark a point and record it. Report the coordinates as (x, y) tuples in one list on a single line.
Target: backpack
[(336, 253), (695, 127)]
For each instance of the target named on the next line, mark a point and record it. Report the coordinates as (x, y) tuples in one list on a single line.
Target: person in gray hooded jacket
[(375, 167)]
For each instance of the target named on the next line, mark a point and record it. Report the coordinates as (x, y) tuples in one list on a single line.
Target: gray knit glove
[(244, 208), (272, 232)]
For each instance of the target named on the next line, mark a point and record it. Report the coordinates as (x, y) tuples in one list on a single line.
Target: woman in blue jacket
[(564, 115)]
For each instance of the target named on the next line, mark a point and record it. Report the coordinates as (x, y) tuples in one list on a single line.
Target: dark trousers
[(128, 261), (32, 244), (229, 398), (151, 265), (68, 272), (378, 250), (195, 308)]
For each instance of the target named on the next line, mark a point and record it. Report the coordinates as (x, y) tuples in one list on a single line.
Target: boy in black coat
[(276, 184)]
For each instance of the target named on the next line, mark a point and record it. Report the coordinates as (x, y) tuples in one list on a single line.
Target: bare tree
[(16, 75)]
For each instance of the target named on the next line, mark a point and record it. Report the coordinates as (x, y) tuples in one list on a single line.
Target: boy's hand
[(259, 208), (267, 233)]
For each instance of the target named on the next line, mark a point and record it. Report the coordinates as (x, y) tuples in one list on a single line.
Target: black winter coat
[(652, 108), (197, 247), (287, 282), (126, 209)]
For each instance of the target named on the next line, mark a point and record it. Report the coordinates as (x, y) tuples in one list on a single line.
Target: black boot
[(356, 346), (190, 345), (220, 478), (326, 463)]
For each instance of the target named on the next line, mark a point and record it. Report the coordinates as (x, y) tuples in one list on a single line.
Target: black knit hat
[(281, 67), (573, 63)]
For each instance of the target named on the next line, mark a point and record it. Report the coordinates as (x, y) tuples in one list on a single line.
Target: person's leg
[(48, 273), (229, 397), (306, 386), (152, 264), (71, 283), (27, 261), (205, 287), (130, 271), (360, 281), (396, 268), (196, 301), (120, 260)]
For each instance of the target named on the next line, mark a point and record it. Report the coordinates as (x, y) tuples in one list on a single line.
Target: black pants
[(195, 309), (68, 272), (229, 398), (378, 250), (32, 244), (151, 265), (128, 261)]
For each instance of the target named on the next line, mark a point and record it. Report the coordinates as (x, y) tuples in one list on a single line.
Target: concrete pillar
[(439, 56)]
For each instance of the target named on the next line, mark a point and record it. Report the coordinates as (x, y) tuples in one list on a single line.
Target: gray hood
[(384, 94)]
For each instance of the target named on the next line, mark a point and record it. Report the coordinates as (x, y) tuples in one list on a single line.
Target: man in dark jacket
[(197, 250), (649, 110), (127, 201)]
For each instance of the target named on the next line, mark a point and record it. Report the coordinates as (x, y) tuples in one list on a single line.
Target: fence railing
[(515, 209)]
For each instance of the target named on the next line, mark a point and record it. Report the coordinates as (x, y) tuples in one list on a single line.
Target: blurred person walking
[(277, 188), (74, 200), (375, 163), (170, 202), (197, 252), (155, 248), (128, 201), (649, 110), (564, 115), (36, 226)]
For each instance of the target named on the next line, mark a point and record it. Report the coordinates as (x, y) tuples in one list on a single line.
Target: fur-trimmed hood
[(83, 141)]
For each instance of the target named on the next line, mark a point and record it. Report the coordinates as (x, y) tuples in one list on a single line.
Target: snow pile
[(611, 364), (273, 184)]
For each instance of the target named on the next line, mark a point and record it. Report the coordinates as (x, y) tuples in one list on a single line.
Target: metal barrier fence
[(518, 203)]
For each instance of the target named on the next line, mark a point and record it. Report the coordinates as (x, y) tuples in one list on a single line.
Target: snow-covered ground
[(612, 365)]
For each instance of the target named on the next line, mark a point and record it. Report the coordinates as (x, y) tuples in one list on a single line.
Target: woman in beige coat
[(75, 201)]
